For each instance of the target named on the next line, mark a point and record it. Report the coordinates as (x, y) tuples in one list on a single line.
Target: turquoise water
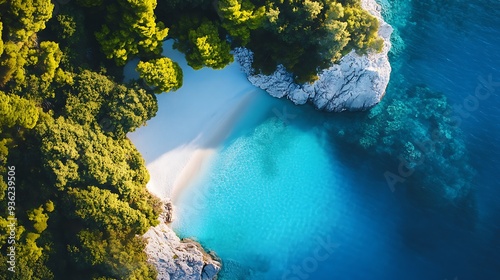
[(281, 201)]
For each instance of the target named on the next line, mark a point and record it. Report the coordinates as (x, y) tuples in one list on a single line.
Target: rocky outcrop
[(355, 83), (177, 259)]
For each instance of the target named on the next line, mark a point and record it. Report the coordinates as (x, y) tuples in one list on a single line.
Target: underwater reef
[(419, 132)]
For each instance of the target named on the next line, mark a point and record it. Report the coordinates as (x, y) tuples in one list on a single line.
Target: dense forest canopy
[(303, 35), (80, 199)]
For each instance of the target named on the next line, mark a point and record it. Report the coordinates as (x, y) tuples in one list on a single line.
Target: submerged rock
[(355, 83), (418, 132), (177, 259)]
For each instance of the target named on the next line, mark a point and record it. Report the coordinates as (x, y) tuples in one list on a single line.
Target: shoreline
[(216, 135), (196, 165), (190, 124), (174, 170), (177, 145)]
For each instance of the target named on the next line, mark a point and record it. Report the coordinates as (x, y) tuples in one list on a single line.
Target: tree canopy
[(162, 74), (131, 29), (201, 41), (304, 36), (21, 20), (81, 201)]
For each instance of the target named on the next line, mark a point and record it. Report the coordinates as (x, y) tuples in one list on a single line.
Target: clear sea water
[(281, 202)]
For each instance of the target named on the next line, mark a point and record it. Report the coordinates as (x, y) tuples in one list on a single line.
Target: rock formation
[(355, 83), (177, 259)]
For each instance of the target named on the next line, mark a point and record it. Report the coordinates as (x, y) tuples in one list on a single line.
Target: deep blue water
[(282, 202)]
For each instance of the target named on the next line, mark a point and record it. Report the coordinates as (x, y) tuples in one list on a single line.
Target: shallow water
[(281, 202)]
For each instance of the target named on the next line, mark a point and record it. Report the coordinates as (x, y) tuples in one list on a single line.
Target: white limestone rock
[(355, 83), (177, 259)]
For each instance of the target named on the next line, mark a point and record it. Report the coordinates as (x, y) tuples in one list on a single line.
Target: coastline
[(217, 130), (177, 145), (190, 124), (355, 83)]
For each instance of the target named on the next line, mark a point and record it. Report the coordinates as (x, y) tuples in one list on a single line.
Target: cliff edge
[(355, 83), (177, 259)]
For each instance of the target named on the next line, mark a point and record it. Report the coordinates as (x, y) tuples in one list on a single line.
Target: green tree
[(66, 26), (126, 110), (39, 218), (74, 155), (163, 74), (21, 20), (15, 110), (25, 18), (240, 17), (102, 209), (95, 98), (49, 59), (12, 62), (362, 29), (112, 254), (202, 44), (307, 36), (131, 29)]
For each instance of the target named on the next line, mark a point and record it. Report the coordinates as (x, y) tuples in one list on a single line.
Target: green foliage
[(75, 36), (39, 219), (86, 96), (363, 29), (66, 26), (12, 62), (307, 36), (304, 36), (1, 40), (162, 73), (21, 21), (49, 59), (116, 204), (202, 44), (17, 113), (64, 129), (117, 109), (240, 17), (31, 259), (131, 29), (110, 256), (126, 110), (15, 110), (102, 209), (25, 18)]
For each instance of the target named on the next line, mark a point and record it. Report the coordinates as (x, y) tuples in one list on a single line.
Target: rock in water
[(355, 83), (177, 259)]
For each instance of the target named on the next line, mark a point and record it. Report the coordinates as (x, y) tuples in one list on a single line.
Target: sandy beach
[(190, 124)]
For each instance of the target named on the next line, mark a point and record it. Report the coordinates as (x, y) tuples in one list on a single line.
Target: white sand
[(190, 124)]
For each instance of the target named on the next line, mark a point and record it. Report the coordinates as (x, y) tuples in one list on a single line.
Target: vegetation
[(80, 198), (162, 73), (81, 203), (304, 36), (201, 41), (130, 29)]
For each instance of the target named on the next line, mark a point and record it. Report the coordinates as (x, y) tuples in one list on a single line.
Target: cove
[(278, 190)]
